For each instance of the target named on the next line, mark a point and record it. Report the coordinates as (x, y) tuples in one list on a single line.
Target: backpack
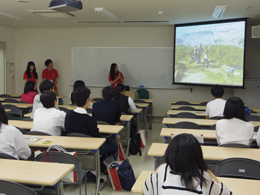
[(135, 145)]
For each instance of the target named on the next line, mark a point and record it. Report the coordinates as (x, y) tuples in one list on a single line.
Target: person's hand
[(119, 76), (92, 101)]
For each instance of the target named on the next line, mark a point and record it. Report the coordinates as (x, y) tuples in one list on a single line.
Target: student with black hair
[(79, 121), (48, 119), (44, 86), (31, 75), (185, 171), (107, 110), (234, 128), (51, 74), (216, 106), (12, 141), (78, 83), (127, 104), (115, 77), (29, 93)]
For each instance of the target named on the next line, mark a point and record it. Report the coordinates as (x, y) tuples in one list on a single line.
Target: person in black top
[(107, 110), (79, 121)]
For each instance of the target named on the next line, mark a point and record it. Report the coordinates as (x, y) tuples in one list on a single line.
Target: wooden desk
[(21, 124), (202, 122), (4, 98), (32, 172), (15, 95), (175, 112), (207, 134), (191, 102), (196, 107), (7, 110), (237, 186), (19, 105), (213, 153)]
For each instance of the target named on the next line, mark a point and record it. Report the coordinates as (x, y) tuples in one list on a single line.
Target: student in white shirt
[(49, 119), (44, 86), (216, 106), (12, 141), (185, 172), (234, 128)]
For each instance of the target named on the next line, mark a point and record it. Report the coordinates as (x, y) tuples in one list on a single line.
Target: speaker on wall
[(255, 31)]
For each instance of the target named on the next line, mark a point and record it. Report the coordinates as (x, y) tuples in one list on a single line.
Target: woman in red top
[(31, 75), (115, 76), (29, 93)]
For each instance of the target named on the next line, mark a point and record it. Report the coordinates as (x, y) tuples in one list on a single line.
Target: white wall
[(38, 44), (7, 35)]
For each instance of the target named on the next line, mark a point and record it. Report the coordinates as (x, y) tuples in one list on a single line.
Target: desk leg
[(97, 163), (137, 122), (145, 119), (151, 110), (128, 129), (60, 188), (117, 143)]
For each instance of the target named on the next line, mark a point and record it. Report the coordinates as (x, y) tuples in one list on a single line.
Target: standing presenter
[(115, 76)]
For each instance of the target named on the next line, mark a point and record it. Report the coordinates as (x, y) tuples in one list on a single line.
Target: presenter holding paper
[(115, 76)]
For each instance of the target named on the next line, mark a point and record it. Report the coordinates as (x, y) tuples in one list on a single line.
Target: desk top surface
[(196, 107), (148, 100), (142, 105), (237, 186), (84, 143), (19, 105), (191, 102), (32, 172), (212, 152), (207, 134), (21, 124), (4, 98), (174, 112)]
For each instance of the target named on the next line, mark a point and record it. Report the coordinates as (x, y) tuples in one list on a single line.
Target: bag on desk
[(135, 145), (72, 176), (121, 175)]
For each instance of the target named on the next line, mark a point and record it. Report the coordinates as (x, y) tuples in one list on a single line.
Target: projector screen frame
[(206, 23)]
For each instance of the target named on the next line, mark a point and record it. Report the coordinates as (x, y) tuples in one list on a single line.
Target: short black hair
[(78, 83), (235, 108), (48, 99), (184, 156), (108, 93), (120, 87), (46, 86), (29, 86), (217, 91), (3, 116), (47, 62), (80, 95)]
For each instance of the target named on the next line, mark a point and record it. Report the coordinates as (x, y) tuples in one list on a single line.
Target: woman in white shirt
[(234, 128), (185, 172), (12, 141)]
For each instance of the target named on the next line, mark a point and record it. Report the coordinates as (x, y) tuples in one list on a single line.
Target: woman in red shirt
[(31, 75), (29, 93), (115, 76)]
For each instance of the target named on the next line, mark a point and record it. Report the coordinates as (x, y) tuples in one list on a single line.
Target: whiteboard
[(151, 67)]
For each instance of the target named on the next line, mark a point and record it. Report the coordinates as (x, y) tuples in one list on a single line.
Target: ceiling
[(139, 12)]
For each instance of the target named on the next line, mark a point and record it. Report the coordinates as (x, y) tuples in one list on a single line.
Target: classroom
[(48, 38)]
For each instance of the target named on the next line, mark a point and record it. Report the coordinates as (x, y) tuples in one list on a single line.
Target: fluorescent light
[(107, 14), (219, 11)]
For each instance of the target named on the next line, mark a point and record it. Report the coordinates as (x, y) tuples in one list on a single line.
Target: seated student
[(12, 141), (216, 106), (184, 173), (79, 83), (127, 104), (49, 119), (79, 121), (234, 128), (29, 93), (44, 86), (107, 110)]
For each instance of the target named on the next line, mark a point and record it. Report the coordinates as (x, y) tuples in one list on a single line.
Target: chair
[(252, 118), (139, 101), (37, 133), (256, 129), (6, 96), (14, 110), (186, 108), (239, 168), (64, 109), (78, 135), (11, 101), (186, 115), (235, 145), (203, 103), (103, 123), (186, 125), (23, 102), (59, 157), (6, 156), (8, 187), (97, 99), (182, 103), (213, 127), (216, 117), (89, 110), (21, 130), (143, 93)]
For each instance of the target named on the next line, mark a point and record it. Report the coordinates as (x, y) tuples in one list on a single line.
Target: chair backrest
[(186, 125), (186, 108), (253, 118), (23, 102), (78, 135), (64, 109), (14, 110), (139, 101), (60, 157), (5, 96), (186, 115), (8, 187), (238, 167), (6, 156), (97, 99), (217, 117), (203, 103), (256, 129), (22, 130), (103, 123), (89, 110), (182, 103), (235, 145), (213, 127), (37, 133), (11, 100), (143, 93)]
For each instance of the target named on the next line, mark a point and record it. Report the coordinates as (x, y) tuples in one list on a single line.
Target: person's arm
[(21, 148), (25, 78), (122, 77), (36, 83), (132, 107), (114, 81), (207, 117), (25, 81)]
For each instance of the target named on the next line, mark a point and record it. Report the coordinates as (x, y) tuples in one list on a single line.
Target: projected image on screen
[(210, 53)]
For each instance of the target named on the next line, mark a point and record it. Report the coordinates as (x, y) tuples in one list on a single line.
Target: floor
[(139, 163)]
